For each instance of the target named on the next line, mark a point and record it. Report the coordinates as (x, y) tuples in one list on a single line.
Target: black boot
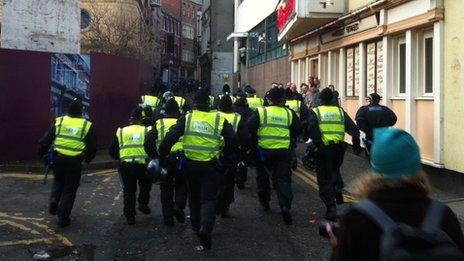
[(144, 209), (205, 239), (53, 208), (339, 199), (63, 222), (169, 221), (287, 216), (331, 213), (180, 216), (130, 221)]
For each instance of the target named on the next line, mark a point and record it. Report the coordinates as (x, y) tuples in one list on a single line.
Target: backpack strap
[(375, 214), (434, 216)]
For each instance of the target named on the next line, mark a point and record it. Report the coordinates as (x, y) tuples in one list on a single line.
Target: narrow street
[(99, 230)]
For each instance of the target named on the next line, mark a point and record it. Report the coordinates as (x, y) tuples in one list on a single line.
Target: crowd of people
[(198, 150)]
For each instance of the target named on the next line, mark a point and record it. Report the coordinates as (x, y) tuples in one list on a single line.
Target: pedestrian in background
[(205, 136), (272, 129), (327, 125), (133, 146), (335, 94), (72, 140), (401, 190), (374, 116)]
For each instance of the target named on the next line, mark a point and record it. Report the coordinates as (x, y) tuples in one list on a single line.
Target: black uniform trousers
[(241, 174), (203, 181), (279, 169), (226, 188), (173, 190), (329, 160), (131, 174), (67, 178)]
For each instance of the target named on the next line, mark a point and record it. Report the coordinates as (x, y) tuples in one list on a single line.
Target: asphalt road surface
[(98, 230)]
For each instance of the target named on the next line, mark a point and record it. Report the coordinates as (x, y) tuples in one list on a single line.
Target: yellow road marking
[(40, 177), (25, 242), (20, 226), (6, 219), (312, 181)]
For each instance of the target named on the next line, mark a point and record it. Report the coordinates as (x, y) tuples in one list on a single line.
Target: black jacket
[(244, 110), (374, 116), (149, 145), (231, 140), (253, 126), (90, 141), (314, 132)]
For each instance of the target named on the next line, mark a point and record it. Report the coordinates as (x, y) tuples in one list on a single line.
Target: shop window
[(263, 45), (374, 63), (352, 78)]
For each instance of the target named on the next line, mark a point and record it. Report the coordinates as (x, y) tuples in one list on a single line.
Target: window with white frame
[(399, 66), (188, 32), (426, 62)]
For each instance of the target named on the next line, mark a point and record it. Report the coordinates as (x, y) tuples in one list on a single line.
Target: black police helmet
[(201, 98), (226, 88), (75, 107), (326, 95)]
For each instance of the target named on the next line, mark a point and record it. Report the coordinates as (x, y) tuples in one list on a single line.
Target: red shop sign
[(285, 12)]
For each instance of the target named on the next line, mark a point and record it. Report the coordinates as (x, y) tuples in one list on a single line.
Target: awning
[(236, 35)]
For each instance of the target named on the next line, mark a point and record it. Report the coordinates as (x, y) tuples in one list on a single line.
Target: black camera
[(323, 227)]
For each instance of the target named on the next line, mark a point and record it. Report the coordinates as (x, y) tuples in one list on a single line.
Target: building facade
[(216, 60), (408, 51), (189, 39), (259, 58)]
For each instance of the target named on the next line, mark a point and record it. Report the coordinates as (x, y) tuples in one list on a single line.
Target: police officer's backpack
[(401, 242)]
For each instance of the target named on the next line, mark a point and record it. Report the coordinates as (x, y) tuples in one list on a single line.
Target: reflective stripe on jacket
[(70, 135), (131, 143), (274, 127), (331, 123), (202, 139), (162, 128)]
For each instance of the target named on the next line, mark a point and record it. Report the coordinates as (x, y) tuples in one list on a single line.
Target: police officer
[(151, 99), (133, 145), (230, 161), (184, 106), (226, 92), (173, 186), (272, 128), (204, 134), (253, 101), (72, 138), (327, 125), (374, 116), (241, 107)]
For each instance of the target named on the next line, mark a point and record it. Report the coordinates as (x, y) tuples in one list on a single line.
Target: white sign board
[(353, 28), (41, 25)]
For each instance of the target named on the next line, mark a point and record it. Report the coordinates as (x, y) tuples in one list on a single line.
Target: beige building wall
[(454, 85), (261, 76), (356, 4)]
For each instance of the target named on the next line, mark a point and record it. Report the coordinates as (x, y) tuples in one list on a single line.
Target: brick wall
[(173, 7)]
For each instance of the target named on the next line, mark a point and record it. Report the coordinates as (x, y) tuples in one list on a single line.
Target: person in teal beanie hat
[(394, 153), (399, 188)]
